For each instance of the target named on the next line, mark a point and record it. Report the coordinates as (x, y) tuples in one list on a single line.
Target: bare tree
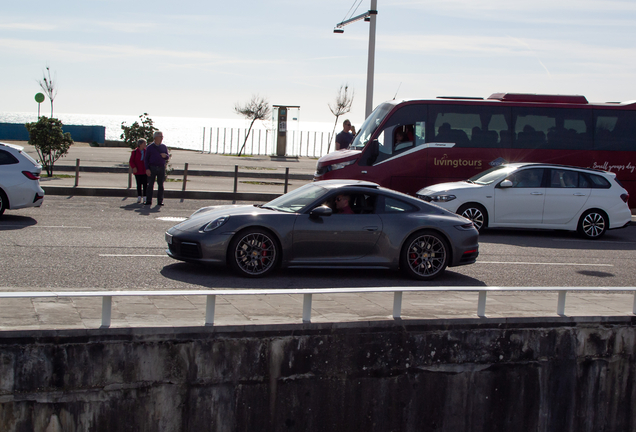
[(49, 87), (256, 109), (344, 100)]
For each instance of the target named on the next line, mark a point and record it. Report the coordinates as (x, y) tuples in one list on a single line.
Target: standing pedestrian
[(344, 138), (156, 158), (136, 162)]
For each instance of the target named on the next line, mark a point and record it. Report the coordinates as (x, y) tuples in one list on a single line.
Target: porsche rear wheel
[(253, 253), (4, 203), (425, 255)]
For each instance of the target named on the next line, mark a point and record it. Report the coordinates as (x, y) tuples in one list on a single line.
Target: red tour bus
[(406, 145)]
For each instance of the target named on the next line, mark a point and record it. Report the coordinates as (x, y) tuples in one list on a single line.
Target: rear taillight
[(625, 197), (30, 175)]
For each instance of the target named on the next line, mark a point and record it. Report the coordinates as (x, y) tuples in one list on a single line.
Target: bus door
[(400, 154)]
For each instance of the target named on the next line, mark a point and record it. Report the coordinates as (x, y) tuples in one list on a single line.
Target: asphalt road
[(93, 243)]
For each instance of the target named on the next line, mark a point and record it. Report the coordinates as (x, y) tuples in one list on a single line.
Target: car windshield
[(491, 175), (298, 199), (370, 125)]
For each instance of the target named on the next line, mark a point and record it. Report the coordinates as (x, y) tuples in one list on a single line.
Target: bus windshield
[(370, 125)]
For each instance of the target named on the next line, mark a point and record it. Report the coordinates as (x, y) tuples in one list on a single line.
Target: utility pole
[(369, 16)]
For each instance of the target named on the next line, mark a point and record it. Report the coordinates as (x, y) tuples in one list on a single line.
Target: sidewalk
[(104, 172)]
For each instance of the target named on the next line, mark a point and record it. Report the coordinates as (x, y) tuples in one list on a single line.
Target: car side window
[(359, 203), (392, 205), (565, 179), (528, 178), (598, 182), (7, 158)]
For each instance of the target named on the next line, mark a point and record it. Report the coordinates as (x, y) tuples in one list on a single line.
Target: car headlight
[(442, 197), (215, 223), (340, 165)]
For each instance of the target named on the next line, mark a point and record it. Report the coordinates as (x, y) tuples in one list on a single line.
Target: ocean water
[(206, 134)]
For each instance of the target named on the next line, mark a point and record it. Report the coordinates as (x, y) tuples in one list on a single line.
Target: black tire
[(593, 224), (4, 202), (425, 255), (253, 253), (476, 213)]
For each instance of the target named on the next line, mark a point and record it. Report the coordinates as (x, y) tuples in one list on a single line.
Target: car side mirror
[(321, 211), (505, 184)]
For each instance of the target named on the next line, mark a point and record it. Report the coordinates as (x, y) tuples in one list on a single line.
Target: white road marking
[(131, 255), (172, 219), (546, 264)]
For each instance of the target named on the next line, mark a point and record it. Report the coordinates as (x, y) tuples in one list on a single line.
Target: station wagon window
[(556, 129), (7, 158), (568, 179), (528, 178), (615, 130), (598, 182)]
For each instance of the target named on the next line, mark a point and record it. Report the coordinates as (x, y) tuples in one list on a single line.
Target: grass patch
[(262, 183), (258, 168), (57, 176), (236, 155)]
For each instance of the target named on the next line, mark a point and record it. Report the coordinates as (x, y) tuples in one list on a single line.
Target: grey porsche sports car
[(313, 226)]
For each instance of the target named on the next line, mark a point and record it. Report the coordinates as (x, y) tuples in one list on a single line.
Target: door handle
[(579, 194), (363, 172), (536, 193), (371, 228)]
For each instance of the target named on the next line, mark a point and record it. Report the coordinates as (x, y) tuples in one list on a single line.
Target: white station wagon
[(19, 179), (533, 195)]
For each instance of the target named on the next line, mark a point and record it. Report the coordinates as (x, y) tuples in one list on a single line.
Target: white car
[(532, 195), (19, 179)]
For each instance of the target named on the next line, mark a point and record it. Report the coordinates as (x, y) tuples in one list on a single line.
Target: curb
[(124, 193)]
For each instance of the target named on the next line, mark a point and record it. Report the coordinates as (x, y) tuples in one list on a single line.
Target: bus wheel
[(593, 224), (476, 213)]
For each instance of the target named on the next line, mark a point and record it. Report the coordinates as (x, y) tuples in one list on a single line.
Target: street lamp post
[(370, 16)]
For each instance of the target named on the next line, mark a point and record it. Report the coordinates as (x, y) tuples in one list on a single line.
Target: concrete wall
[(89, 134), (474, 375)]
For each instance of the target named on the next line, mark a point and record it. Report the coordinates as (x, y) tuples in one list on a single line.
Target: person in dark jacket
[(156, 158), (136, 162)]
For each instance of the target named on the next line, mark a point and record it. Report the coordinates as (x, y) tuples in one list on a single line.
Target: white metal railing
[(307, 293)]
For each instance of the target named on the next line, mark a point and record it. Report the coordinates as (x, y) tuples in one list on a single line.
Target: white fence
[(260, 142), (307, 296)]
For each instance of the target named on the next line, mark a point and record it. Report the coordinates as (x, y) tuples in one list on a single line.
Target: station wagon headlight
[(340, 165), (442, 198), (215, 223)]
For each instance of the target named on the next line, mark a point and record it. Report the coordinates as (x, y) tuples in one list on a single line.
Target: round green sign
[(39, 98)]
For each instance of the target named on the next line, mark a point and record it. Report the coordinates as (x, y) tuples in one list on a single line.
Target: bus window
[(615, 130), (554, 129), (469, 126)]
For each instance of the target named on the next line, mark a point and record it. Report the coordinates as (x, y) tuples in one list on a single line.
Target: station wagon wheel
[(425, 255), (4, 203), (253, 253), (593, 224), (475, 213)]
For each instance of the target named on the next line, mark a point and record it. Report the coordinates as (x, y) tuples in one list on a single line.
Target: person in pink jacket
[(139, 169)]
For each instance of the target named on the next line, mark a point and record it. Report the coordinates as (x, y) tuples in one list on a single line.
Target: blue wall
[(18, 132)]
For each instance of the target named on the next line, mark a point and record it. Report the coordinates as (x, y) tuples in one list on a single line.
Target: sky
[(193, 58)]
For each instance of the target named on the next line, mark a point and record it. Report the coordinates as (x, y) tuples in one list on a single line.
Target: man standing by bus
[(344, 138), (155, 160)]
